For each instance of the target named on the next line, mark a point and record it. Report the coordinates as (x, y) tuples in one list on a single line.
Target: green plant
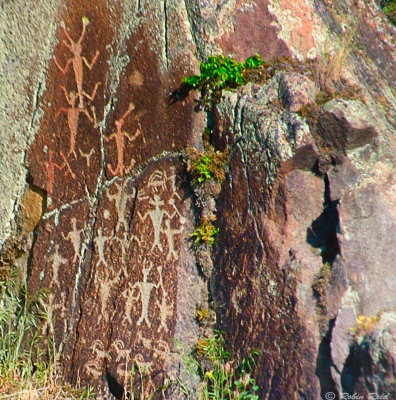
[(221, 377), (218, 73), (205, 232), (138, 389), (25, 371), (390, 10), (206, 165)]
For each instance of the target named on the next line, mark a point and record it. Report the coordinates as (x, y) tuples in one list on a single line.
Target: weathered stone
[(102, 143), (345, 125)]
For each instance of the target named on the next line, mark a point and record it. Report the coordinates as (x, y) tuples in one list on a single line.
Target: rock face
[(97, 206)]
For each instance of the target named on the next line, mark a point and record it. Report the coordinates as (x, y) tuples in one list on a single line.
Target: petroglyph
[(165, 307), (120, 199), (144, 293), (162, 217), (119, 136), (123, 358), (73, 114), (105, 285), (156, 215), (77, 61), (94, 367), (100, 242), (51, 167), (57, 261), (170, 234), (87, 156), (75, 238)]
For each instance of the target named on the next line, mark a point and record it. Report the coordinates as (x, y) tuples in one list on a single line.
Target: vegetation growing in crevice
[(320, 288), (222, 377), (389, 8), (219, 73), (205, 165), (205, 233), (364, 325)]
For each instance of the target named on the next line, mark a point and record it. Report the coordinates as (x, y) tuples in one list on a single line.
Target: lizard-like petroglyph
[(73, 114), (119, 136), (77, 61)]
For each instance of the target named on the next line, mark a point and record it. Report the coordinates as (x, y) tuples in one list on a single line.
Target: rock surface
[(96, 205)]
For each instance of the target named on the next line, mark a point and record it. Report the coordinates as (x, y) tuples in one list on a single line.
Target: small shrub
[(205, 233), (364, 325), (206, 165), (390, 11), (220, 73)]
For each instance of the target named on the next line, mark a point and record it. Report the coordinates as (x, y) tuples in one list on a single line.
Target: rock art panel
[(129, 306), (65, 158)]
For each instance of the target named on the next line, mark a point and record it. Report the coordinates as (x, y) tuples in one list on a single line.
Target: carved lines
[(119, 136)]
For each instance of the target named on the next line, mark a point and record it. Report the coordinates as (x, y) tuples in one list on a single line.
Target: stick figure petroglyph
[(100, 242), (170, 234), (77, 61), (119, 136), (57, 261), (87, 156), (51, 167), (75, 237), (145, 288), (157, 216), (73, 114), (165, 309)]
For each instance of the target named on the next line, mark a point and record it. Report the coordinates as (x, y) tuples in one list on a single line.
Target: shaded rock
[(346, 125)]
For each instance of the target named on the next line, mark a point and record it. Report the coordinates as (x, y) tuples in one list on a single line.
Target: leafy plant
[(206, 165), (222, 377), (218, 73), (390, 10), (205, 232)]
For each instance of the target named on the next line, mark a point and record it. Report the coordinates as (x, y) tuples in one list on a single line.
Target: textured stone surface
[(105, 220)]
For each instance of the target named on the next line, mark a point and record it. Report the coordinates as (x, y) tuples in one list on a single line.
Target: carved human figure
[(77, 61), (74, 237), (73, 113), (119, 136), (144, 294)]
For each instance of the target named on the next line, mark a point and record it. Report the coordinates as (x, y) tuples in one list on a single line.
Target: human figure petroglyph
[(170, 234), (105, 284), (100, 242), (120, 199), (165, 309), (51, 167), (74, 237), (119, 136), (73, 115), (156, 215), (57, 261), (145, 288), (77, 61)]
